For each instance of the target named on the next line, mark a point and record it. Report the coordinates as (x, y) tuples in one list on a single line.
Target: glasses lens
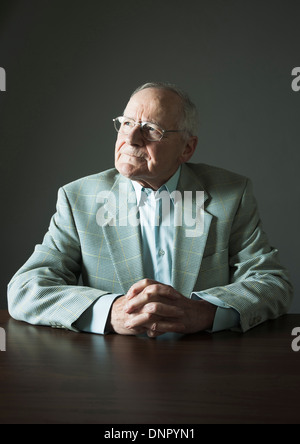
[(117, 124), (123, 124), (152, 132)]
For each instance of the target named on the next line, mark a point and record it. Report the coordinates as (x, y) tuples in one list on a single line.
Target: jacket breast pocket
[(214, 270)]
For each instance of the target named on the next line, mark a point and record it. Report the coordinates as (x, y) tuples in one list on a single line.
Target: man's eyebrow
[(155, 122), (148, 120)]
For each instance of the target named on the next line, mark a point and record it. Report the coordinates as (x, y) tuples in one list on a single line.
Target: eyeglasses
[(150, 131)]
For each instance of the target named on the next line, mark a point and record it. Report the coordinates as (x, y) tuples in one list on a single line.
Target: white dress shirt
[(157, 247)]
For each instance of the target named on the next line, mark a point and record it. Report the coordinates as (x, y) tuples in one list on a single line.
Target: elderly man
[(148, 276)]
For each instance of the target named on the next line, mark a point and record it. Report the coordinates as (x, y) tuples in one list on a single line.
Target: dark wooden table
[(57, 376)]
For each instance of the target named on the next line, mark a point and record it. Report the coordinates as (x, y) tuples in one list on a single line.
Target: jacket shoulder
[(213, 176), (92, 182)]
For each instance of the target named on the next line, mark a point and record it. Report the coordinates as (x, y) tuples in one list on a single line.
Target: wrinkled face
[(153, 163)]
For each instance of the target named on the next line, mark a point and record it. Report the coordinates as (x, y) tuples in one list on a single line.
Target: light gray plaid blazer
[(232, 260)]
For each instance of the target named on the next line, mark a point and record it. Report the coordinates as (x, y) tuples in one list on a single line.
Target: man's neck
[(171, 183), (156, 185)]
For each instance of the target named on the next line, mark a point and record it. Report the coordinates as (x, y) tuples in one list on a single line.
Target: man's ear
[(189, 149)]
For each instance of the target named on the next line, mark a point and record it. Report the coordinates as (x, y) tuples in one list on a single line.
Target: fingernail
[(154, 327)]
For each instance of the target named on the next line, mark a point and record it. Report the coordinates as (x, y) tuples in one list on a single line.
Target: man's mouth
[(133, 154)]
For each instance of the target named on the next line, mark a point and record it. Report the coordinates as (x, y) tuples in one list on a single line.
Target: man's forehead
[(155, 104)]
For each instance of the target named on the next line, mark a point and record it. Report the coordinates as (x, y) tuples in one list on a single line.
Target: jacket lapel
[(122, 237), (189, 249)]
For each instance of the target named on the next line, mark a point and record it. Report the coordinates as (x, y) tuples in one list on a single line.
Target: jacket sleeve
[(259, 287), (45, 291)]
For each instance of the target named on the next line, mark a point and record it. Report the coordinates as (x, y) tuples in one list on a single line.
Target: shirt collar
[(170, 186)]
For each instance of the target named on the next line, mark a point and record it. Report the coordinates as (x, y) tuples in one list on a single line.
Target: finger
[(137, 331), (153, 334), (133, 331), (164, 310), (167, 326), (155, 324), (139, 287), (152, 293), (144, 320)]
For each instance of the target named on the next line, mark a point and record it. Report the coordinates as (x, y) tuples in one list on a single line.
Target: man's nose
[(135, 137)]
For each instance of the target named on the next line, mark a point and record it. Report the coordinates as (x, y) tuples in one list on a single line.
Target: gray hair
[(190, 116)]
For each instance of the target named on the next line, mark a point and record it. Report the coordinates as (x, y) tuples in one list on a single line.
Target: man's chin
[(128, 170)]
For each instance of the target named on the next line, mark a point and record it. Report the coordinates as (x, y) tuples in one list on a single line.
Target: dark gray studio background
[(71, 66)]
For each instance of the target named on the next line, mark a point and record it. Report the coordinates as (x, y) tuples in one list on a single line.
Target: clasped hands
[(154, 308)]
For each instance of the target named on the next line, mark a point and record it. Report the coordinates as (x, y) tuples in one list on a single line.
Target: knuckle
[(147, 296), (155, 288), (150, 292), (148, 317), (147, 282), (170, 290), (152, 307)]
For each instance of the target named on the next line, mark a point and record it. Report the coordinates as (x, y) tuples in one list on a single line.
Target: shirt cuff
[(94, 319), (226, 317)]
